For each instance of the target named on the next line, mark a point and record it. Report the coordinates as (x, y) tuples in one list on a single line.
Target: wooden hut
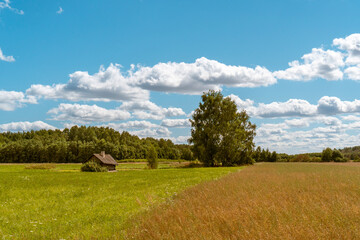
[(105, 160)]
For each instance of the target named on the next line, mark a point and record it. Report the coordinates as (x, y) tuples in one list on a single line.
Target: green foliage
[(326, 155), (220, 134), (273, 157), (301, 158), (77, 144), (151, 157), (337, 156), (352, 153), (92, 166)]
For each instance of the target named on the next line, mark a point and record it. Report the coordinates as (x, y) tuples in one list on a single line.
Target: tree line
[(77, 144)]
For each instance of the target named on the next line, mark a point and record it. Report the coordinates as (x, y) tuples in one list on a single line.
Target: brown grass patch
[(44, 166), (265, 201)]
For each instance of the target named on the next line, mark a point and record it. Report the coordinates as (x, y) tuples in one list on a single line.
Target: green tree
[(220, 134), (326, 155), (257, 154), (151, 157), (273, 157), (337, 156)]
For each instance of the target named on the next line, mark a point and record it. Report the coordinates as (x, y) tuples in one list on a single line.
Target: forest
[(77, 144)]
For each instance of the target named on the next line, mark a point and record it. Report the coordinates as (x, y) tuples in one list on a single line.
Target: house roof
[(108, 159)]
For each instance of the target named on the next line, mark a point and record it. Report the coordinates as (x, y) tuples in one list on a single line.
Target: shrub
[(337, 156), (339, 159), (151, 157), (326, 155), (93, 166), (301, 158)]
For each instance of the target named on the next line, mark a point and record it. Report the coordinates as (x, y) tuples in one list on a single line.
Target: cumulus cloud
[(106, 85), (351, 118), (326, 64), (290, 108), (132, 125), (10, 100), (200, 76), (176, 123), (297, 123), (6, 58), (326, 106), (25, 126), (353, 72), (241, 104), (187, 78), (160, 132), (5, 4), (283, 137), (180, 139), (87, 113), (350, 44), (149, 110), (333, 105)]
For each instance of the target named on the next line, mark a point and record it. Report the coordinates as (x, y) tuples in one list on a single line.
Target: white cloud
[(5, 4), (106, 85), (297, 123), (319, 63), (241, 104), (353, 72), (291, 108), (149, 110), (77, 113), (312, 140), (160, 132), (351, 118), (180, 139), (10, 100), (326, 106), (60, 11), (132, 125), (333, 105), (351, 44), (25, 126), (176, 123), (200, 76), (6, 58)]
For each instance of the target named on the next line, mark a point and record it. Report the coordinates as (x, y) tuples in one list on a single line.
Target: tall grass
[(265, 201)]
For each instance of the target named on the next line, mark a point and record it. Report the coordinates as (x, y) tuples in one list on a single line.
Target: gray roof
[(108, 159)]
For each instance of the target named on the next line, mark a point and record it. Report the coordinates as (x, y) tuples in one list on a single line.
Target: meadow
[(57, 201), (264, 201)]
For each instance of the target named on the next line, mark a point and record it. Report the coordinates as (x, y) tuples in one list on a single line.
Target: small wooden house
[(105, 160)]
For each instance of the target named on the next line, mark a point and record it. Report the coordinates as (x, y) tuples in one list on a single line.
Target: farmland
[(57, 201), (265, 201)]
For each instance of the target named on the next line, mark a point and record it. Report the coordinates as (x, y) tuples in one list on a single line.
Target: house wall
[(110, 167)]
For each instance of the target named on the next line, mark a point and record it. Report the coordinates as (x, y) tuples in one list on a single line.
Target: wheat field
[(265, 201)]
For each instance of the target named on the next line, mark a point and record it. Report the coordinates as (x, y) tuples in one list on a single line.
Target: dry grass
[(265, 201), (43, 166)]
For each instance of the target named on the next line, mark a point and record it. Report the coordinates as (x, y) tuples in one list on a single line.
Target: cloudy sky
[(141, 66)]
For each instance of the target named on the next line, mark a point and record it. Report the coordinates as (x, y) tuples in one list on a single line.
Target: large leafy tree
[(220, 134)]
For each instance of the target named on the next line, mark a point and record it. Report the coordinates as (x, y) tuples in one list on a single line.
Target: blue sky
[(141, 66)]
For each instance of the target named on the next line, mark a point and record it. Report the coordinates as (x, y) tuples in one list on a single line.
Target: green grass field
[(63, 203)]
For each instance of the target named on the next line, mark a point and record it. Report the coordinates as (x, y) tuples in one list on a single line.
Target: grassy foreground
[(62, 203), (265, 201)]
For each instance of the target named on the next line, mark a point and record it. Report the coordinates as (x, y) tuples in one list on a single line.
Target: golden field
[(264, 201)]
